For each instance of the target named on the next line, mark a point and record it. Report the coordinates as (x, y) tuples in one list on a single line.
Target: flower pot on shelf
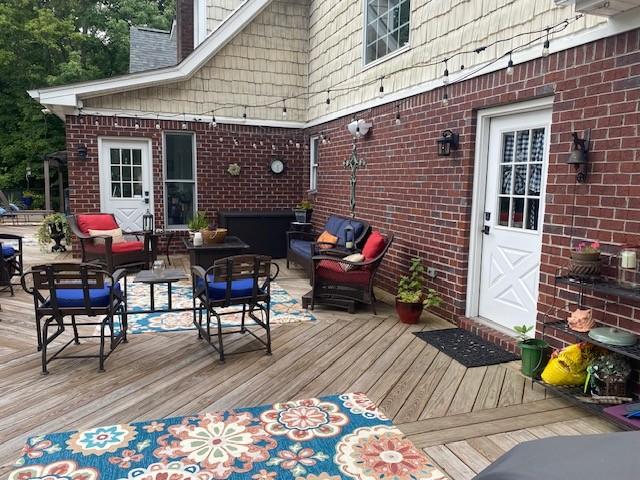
[(535, 355), (409, 312), (585, 265)]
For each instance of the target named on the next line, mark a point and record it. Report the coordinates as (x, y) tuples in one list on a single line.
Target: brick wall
[(254, 189), (426, 200)]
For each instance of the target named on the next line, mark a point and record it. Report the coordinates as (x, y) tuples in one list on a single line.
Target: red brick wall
[(254, 189), (426, 200)]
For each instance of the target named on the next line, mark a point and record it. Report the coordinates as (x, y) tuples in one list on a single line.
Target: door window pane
[(387, 26), (518, 212), (533, 206), (507, 147), (505, 187), (535, 179), (537, 145), (520, 179), (522, 146)]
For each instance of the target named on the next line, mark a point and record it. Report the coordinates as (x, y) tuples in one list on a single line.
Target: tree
[(53, 42)]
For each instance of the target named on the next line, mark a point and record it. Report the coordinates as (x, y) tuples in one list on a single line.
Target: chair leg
[(199, 322), (101, 355), (220, 346), (39, 333), (242, 327), (43, 342), (268, 328), (75, 330), (124, 324)]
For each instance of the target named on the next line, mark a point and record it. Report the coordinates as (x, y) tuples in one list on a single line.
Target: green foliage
[(410, 287), (59, 221), (522, 332), (198, 222), (53, 42), (305, 205)]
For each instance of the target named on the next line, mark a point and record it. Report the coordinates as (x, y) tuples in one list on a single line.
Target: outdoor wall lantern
[(82, 152), (359, 128), (579, 156), (447, 142), (147, 221)]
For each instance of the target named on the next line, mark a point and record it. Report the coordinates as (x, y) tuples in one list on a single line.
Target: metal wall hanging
[(579, 156), (354, 163)]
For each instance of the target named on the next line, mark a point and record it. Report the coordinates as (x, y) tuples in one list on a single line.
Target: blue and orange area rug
[(284, 309), (329, 438)]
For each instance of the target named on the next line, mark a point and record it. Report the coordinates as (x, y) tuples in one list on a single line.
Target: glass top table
[(151, 277)]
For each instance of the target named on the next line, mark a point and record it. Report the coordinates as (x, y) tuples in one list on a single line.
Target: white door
[(125, 181), (513, 218)]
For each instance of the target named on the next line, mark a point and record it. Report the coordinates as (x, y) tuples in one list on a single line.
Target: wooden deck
[(463, 418)]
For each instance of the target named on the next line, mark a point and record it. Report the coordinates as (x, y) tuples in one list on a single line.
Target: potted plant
[(303, 211), (585, 260), (410, 299), (608, 375), (27, 199), (198, 222), (534, 352), (54, 228), (212, 234)]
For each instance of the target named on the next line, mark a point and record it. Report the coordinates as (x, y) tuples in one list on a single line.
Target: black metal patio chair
[(10, 260), (242, 280), (70, 290)]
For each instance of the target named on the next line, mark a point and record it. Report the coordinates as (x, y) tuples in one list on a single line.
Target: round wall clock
[(277, 166)]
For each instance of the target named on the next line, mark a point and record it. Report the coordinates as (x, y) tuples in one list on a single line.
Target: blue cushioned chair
[(240, 281), (10, 260), (63, 291), (302, 246)]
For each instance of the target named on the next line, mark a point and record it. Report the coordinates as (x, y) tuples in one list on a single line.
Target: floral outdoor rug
[(284, 309), (330, 438)]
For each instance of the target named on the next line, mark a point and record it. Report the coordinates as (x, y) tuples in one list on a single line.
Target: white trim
[(189, 117), (194, 161), (199, 22), (483, 125), (70, 95), (313, 185)]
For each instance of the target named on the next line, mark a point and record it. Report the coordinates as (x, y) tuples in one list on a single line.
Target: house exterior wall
[(255, 189), (264, 64), (219, 10), (426, 200)]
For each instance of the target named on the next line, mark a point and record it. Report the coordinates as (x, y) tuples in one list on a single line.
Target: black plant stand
[(57, 234)]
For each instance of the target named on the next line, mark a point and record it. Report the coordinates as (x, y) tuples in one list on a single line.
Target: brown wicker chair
[(10, 260), (138, 250), (67, 290), (335, 286)]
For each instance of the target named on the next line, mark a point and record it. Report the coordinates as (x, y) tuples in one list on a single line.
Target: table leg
[(153, 304), (169, 238), (169, 293)]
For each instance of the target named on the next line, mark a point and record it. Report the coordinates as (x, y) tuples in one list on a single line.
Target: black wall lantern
[(447, 142), (147, 221), (82, 152), (579, 156)]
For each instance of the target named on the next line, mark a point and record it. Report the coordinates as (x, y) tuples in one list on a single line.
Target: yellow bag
[(569, 366)]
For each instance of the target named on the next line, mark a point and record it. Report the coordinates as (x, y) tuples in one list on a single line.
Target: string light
[(244, 113), (255, 146), (158, 122), (381, 89), (510, 65), (235, 141), (445, 78), (284, 108), (545, 47), (115, 121), (221, 139), (273, 147), (137, 124), (445, 99), (328, 100), (323, 138), (184, 121), (213, 122), (398, 121)]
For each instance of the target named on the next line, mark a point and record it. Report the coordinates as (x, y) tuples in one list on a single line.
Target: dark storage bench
[(265, 232)]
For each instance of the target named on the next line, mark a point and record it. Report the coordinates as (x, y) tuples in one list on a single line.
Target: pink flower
[(264, 475), (154, 427), (291, 459), (128, 456)]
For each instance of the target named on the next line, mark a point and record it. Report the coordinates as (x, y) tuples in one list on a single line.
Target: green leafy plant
[(410, 287), (305, 205), (198, 222), (55, 221), (522, 332)]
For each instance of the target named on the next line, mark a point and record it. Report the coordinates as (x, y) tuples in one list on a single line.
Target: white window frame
[(388, 56), (165, 180), (314, 151)]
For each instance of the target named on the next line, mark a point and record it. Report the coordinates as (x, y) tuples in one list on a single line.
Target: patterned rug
[(331, 438), (284, 309)]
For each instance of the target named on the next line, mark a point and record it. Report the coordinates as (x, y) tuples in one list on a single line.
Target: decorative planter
[(409, 312), (27, 202), (584, 265), (535, 355), (211, 237), (303, 215), (57, 234)]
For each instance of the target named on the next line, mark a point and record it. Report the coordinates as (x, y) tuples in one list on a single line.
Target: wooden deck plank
[(489, 392), (452, 465), (471, 457), (440, 401), (512, 389), (467, 392)]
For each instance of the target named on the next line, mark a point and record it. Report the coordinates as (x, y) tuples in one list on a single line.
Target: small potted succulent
[(54, 228), (411, 299), (197, 223), (534, 352), (303, 211), (608, 375), (585, 260)]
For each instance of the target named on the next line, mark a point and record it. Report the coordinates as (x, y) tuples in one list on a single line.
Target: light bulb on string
[(255, 146), (244, 113), (115, 121), (445, 99), (213, 122), (261, 143), (221, 139), (157, 122), (284, 109), (545, 47), (273, 147), (381, 89), (235, 142), (398, 120), (445, 78), (510, 65), (137, 124), (328, 100), (184, 121)]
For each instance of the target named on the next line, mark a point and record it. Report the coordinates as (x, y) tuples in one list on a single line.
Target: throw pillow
[(354, 257), (374, 245), (116, 234), (327, 238)]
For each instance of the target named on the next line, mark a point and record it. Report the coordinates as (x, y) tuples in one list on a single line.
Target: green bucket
[(535, 355)]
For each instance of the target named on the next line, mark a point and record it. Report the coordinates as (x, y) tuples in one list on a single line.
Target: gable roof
[(150, 48), (67, 98)]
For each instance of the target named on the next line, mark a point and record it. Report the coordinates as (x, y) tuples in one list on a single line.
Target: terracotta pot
[(409, 312), (584, 264)]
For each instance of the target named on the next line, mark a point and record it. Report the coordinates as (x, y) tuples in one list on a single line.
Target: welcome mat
[(330, 438), (467, 348), (284, 309)]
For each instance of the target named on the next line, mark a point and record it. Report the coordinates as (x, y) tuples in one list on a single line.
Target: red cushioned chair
[(137, 251), (339, 283)]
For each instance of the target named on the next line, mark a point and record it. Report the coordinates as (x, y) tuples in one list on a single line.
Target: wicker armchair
[(339, 282), (138, 250), (10, 260)]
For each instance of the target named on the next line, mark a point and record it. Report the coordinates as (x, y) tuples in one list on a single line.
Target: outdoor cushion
[(354, 257), (218, 290), (333, 272), (115, 234), (98, 297), (96, 221), (301, 247), (8, 251), (342, 234), (126, 247), (326, 237), (333, 225), (373, 246)]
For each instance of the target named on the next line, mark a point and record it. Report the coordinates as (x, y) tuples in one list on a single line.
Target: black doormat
[(467, 348)]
